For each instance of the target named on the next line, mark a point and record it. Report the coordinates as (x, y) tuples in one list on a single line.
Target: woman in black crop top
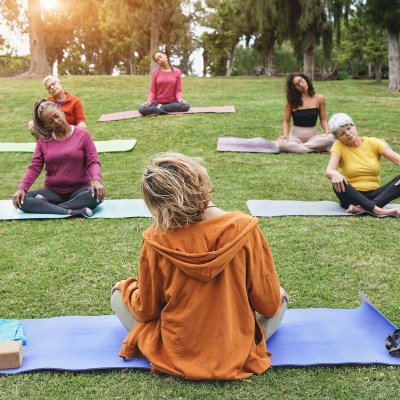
[(304, 106)]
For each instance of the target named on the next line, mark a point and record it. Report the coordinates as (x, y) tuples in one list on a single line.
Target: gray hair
[(339, 121), (48, 77)]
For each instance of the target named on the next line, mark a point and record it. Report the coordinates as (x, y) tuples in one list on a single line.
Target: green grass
[(66, 267)]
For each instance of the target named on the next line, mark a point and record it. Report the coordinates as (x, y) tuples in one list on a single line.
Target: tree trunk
[(271, 62), (155, 32), (39, 65), (205, 62), (308, 57), (394, 62), (231, 61), (378, 69)]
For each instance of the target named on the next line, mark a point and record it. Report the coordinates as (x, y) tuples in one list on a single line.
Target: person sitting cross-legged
[(354, 169), (73, 176), (208, 295), (165, 94)]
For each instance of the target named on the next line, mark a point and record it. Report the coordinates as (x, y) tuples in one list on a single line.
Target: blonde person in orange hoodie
[(208, 295)]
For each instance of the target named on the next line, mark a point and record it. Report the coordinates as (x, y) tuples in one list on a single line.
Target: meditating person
[(165, 93), (73, 178), (304, 106), (204, 275), (354, 169), (69, 104)]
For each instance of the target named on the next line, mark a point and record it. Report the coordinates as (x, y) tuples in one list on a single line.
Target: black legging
[(164, 108), (368, 200), (49, 202)]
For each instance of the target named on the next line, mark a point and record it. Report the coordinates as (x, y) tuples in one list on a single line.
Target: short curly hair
[(176, 189), (293, 96)]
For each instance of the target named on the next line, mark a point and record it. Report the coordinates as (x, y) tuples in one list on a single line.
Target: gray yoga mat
[(106, 146), (278, 208), (248, 145), (117, 116), (121, 208)]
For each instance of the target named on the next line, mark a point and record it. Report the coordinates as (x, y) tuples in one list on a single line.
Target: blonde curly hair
[(176, 190)]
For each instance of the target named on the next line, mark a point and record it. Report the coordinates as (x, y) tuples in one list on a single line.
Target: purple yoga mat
[(193, 110), (253, 145), (310, 336)]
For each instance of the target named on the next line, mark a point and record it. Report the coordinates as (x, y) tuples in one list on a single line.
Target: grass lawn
[(66, 267)]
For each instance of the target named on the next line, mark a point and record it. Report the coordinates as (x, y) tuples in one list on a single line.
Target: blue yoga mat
[(314, 336), (122, 208), (280, 208)]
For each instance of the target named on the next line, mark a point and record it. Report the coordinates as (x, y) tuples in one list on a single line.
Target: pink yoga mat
[(247, 145), (193, 110)]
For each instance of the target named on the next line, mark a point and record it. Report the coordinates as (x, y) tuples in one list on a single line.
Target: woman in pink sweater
[(73, 179), (165, 93)]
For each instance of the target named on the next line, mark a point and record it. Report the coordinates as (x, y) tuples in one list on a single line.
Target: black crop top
[(305, 117)]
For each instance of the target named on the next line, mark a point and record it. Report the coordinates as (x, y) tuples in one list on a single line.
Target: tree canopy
[(315, 36)]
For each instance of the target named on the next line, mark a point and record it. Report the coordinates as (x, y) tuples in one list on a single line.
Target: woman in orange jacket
[(208, 295)]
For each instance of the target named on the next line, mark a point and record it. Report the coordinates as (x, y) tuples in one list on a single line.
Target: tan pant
[(306, 140), (129, 321)]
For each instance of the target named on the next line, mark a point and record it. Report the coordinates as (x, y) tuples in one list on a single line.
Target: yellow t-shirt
[(361, 166)]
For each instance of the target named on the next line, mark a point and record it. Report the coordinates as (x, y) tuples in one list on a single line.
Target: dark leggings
[(54, 203), (164, 108), (368, 200)]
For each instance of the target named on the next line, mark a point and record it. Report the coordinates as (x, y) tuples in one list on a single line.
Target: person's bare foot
[(394, 212), (355, 209)]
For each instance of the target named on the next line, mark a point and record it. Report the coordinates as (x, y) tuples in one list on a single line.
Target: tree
[(313, 21), (386, 14), (155, 31), (123, 27), (39, 66), (362, 45), (226, 22), (267, 21)]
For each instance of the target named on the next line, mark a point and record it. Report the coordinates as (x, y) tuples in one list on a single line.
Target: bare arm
[(322, 113), (391, 155), (83, 125), (286, 122), (331, 172)]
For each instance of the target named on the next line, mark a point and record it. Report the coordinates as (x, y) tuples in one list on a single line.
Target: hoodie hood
[(206, 247)]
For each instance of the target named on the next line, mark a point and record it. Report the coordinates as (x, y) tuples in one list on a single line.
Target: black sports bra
[(305, 117)]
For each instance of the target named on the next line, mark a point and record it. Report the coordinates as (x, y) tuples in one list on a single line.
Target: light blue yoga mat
[(122, 208), (311, 336), (107, 146), (279, 208)]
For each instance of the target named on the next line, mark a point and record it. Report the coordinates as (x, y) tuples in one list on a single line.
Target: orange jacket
[(72, 108), (196, 297)]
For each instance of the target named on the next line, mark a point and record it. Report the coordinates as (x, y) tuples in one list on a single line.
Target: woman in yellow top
[(204, 273), (354, 169)]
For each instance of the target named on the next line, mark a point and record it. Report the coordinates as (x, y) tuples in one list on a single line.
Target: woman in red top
[(70, 105), (165, 95)]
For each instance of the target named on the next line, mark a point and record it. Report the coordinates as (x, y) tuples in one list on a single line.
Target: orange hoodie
[(196, 297)]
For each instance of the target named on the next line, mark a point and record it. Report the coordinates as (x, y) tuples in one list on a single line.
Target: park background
[(66, 267)]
